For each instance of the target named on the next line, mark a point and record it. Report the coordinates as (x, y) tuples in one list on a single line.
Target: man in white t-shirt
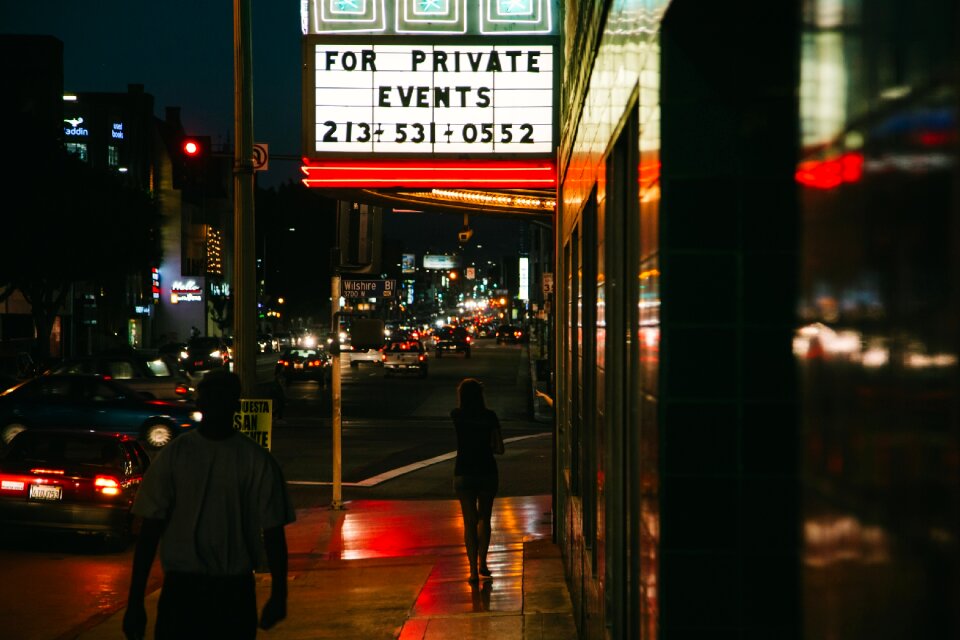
[(205, 501)]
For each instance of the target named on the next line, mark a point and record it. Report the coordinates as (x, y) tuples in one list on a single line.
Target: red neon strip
[(439, 173)]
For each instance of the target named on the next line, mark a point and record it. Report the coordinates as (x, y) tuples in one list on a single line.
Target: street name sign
[(368, 288)]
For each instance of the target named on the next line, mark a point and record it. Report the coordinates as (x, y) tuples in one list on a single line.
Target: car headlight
[(196, 416), (215, 354), (184, 355)]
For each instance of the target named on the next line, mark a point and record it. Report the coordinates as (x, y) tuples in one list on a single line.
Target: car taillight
[(421, 357), (283, 362), (181, 390), (13, 483), (107, 485), (49, 472), (468, 338)]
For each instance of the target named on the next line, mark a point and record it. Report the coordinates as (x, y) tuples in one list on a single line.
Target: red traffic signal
[(191, 147)]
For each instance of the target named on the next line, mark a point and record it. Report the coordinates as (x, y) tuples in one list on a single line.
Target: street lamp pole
[(244, 254)]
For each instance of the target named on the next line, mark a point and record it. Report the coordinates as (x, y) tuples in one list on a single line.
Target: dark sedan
[(83, 482), (91, 402), (204, 354), (510, 334), (304, 364)]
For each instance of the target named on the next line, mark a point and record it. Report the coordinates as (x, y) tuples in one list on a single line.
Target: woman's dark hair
[(470, 394)]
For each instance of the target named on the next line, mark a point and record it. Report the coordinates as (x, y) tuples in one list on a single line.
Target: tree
[(73, 224)]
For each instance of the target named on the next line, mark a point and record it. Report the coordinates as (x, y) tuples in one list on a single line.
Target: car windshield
[(205, 344), (301, 353), (158, 368), (399, 347)]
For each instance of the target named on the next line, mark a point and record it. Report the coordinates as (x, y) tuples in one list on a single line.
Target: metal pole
[(336, 501), (244, 253)]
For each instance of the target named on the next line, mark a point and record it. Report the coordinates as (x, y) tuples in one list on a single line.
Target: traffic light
[(191, 165)]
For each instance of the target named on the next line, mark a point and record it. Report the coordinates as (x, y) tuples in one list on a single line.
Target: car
[(486, 330), (510, 334), (91, 402), (71, 481), (304, 364), (205, 353), (405, 356), (154, 374), (455, 339), (356, 355)]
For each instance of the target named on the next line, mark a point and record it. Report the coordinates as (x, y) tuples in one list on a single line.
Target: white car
[(355, 357), (405, 356)]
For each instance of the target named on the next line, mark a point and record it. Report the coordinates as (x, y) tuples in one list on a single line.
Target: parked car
[(407, 356), (72, 481), (148, 373), (510, 334), (92, 402), (455, 339), (205, 353), (304, 364)]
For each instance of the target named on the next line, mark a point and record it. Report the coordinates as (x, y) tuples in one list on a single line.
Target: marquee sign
[(383, 109), (432, 99)]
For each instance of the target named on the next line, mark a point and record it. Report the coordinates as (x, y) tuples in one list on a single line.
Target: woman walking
[(475, 478)]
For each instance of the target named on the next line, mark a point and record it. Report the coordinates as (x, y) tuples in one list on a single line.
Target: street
[(56, 587)]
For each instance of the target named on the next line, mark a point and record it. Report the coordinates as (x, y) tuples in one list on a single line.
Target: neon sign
[(185, 291)]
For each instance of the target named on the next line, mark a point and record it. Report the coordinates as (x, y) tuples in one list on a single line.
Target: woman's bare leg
[(468, 509), (485, 514)]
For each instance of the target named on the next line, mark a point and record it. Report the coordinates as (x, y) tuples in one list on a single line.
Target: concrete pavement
[(396, 569)]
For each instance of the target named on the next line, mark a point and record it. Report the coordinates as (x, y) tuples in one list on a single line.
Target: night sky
[(182, 52)]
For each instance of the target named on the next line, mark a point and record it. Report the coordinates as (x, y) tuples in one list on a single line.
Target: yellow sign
[(255, 420)]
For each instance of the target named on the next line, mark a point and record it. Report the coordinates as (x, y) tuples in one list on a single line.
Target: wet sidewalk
[(397, 569)]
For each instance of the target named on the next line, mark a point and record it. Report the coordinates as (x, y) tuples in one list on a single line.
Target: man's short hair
[(221, 384)]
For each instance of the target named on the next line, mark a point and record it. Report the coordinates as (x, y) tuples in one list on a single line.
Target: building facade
[(756, 336)]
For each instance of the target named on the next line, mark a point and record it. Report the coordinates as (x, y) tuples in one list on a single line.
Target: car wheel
[(157, 434), (11, 430)]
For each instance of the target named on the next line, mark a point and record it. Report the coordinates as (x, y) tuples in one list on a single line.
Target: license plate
[(45, 492), (297, 365)]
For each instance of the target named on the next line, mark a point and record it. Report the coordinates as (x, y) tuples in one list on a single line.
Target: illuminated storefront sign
[(399, 103), (185, 291), (116, 131), (428, 17), (74, 129), (433, 99), (409, 263), (155, 283), (524, 293)]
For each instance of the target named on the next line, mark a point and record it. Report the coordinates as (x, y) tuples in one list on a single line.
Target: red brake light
[(468, 338), (181, 390), (53, 472), (421, 357), (107, 485)]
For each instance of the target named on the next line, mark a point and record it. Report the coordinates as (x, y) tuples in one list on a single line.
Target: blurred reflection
[(480, 595), (877, 346)]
